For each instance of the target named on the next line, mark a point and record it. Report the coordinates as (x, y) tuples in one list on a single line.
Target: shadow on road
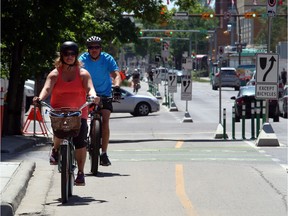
[(103, 174)]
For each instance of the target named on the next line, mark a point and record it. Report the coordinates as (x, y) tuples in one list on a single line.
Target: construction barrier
[(37, 117)]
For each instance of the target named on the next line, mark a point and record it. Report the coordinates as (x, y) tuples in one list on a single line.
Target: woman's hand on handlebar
[(93, 99), (36, 101)]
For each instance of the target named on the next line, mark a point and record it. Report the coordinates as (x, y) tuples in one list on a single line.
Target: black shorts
[(81, 140), (106, 103)]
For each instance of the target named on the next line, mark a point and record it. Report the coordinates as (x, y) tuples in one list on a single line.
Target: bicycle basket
[(63, 127)]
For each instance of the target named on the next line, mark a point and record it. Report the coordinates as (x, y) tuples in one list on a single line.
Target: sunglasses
[(94, 47), (69, 54)]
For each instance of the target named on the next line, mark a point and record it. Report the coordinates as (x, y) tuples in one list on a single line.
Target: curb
[(15, 190)]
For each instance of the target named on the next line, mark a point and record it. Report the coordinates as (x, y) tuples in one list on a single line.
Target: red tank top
[(69, 94)]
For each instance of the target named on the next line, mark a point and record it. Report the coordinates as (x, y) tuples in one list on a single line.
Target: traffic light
[(158, 40), (169, 33), (163, 10), (207, 15), (250, 15), (140, 33)]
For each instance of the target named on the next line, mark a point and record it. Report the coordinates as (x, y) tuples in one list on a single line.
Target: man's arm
[(117, 78)]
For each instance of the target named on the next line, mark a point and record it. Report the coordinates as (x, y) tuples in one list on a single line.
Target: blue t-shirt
[(100, 71)]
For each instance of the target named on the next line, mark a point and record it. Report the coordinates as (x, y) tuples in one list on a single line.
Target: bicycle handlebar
[(89, 100)]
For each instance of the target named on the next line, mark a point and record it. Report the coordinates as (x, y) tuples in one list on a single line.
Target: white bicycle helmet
[(93, 40)]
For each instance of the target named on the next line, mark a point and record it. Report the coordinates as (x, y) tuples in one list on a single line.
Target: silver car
[(228, 78), (135, 104)]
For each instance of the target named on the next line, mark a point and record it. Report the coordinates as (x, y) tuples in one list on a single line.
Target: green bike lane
[(188, 151)]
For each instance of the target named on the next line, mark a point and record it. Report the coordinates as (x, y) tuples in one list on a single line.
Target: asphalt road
[(163, 166)]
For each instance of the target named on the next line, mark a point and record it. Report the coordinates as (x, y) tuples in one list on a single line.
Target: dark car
[(246, 95), (283, 102)]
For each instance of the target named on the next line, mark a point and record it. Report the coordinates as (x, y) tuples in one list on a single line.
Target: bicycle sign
[(157, 78), (267, 76), (186, 89), (172, 83)]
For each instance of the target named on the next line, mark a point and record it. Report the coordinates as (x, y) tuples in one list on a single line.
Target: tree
[(33, 30)]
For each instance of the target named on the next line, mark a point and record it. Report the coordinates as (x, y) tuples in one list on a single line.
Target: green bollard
[(224, 124), (233, 122), (257, 118), (149, 87), (243, 121), (252, 121), (154, 89), (263, 112)]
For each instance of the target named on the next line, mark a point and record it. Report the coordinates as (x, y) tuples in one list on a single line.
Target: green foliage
[(33, 30), (279, 28)]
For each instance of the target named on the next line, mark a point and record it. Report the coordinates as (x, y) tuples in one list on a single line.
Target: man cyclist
[(136, 80), (102, 67), (68, 84)]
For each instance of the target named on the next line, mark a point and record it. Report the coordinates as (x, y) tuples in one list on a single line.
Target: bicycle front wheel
[(95, 144), (72, 166), (64, 173)]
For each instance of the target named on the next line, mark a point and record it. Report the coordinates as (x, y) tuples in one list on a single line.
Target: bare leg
[(105, 129), (80, 156), (57, 142)]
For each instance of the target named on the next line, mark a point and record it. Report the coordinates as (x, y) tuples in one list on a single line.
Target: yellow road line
[(180, 191), (179, 144)]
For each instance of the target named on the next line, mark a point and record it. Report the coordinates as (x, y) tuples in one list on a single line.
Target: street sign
[(186, 89), (181, 16), (271, 8), (172, 83), (267, 76), (187, 63), (157, 77), (165, 49)]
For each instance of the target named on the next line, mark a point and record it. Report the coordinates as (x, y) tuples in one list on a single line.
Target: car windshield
[(247, 91)]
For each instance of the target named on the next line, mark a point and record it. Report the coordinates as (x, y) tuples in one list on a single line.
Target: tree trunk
[(13, 109)]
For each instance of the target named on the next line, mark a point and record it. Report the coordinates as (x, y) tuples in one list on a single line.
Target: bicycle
[(136, 86), (95, 138), (66, 123), (95, 134)]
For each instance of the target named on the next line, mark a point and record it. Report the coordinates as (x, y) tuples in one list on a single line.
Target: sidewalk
[(14, 176)]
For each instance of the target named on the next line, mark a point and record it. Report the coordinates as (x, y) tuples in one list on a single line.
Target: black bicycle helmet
[(93, 40), (69, 45)]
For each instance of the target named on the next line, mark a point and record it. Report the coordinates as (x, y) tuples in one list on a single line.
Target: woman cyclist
[(69, 84)]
